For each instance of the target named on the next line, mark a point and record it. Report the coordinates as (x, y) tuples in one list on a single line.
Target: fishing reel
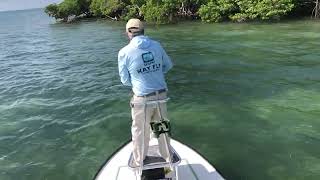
[(161, 127)]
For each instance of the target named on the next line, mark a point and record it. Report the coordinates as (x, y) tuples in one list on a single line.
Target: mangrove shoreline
[(171, 11)]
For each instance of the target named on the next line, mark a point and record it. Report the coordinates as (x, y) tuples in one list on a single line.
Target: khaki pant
[(140, 129)]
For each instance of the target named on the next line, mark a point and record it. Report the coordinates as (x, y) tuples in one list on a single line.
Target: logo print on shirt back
[(147, 58), (149, 64)]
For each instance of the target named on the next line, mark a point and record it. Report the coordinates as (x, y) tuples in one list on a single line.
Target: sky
[(9, 5)]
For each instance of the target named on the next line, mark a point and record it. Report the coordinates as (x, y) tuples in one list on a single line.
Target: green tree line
[(167, 11)]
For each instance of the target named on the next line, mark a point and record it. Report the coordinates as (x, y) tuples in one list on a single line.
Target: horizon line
[(22, 9)]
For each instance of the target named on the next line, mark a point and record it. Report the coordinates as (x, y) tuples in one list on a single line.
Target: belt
[(154, 93)]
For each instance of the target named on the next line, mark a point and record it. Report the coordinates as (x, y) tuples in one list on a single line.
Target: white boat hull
[(192, 166)]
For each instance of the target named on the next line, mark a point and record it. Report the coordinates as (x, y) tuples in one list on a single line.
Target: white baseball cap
[(136, 24)]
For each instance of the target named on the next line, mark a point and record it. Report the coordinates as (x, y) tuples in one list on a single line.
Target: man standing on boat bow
[(142, 65)]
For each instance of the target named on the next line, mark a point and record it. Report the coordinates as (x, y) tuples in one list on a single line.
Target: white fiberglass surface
[(192, 166)]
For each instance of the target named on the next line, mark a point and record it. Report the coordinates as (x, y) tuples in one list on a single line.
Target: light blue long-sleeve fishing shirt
[(142, 65)]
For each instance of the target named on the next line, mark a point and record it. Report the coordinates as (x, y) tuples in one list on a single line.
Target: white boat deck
[(192, 166)]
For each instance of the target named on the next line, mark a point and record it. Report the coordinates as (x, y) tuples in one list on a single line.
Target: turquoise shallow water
[(246, 96)]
